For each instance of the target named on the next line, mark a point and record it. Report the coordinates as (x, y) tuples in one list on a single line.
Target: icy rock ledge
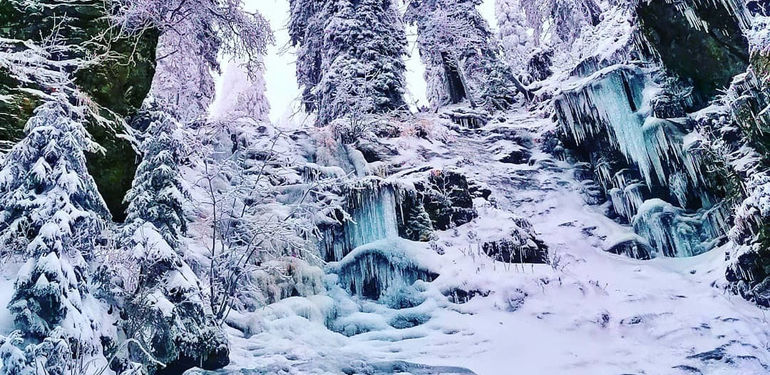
[(371, 269), (673, 231)]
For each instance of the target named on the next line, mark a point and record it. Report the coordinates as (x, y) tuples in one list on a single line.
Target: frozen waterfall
[(371, 205)]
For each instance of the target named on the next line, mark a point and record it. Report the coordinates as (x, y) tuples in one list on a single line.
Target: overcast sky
[(282, 88)]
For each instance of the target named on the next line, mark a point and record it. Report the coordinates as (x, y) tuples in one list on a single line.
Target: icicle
[(678, 187), (676, 233), (371, 204), (626, 200), (372, 269)]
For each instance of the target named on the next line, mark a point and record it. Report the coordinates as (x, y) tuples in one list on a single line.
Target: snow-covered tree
[(183, 82), (241, 96), (157, 194), (461, 56), (51, 216), (192, 34), (255, 212), (351, 56), (544, 22), (166, 310), (306, 32), (516, 40), (53, 356)]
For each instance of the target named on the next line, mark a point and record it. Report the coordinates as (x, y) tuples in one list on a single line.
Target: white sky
[(282, 90)]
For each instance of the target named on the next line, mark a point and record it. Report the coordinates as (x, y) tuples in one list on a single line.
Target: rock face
[(748, 275), (516, 250), (119, 85), (414, 222), (217, 358), (628, 124), (743, 131), (707, 57), (539, 65), (522, 246), (447, 199)]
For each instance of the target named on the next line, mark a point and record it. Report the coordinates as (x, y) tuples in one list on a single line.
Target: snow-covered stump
[(373, 269)]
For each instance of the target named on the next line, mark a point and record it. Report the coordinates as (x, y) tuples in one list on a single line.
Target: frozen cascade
[(614, 107), (365, 251), (667, 230), (607, 103), (626, 201), (678, 186), (615, 103), (371, 204), (372, 269), (676, 233), (627, 193)]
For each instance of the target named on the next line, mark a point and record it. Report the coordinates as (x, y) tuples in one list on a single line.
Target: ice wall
[(649, 166), (371, 204), (364, 249), (372, 269)]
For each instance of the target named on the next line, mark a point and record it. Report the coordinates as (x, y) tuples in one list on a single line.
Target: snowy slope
[(589, 312)]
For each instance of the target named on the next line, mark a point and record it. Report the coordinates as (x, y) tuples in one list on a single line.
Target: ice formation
[(615, 102), (371, 205), (371, 269), (617, 107)]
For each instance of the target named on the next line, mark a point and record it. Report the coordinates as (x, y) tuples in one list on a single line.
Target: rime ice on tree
[(460, 55), (357, 67)]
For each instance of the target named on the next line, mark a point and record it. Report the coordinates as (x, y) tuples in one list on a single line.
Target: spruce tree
[(306, 32), (166, 310), (461, 56), (52, 215), (351, 56)]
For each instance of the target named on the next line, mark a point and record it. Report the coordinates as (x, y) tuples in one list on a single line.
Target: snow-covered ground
[(588, 312)]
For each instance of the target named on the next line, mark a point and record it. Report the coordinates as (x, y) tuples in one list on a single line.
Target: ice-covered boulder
[(632, 246), (522, 246), (370, 270)]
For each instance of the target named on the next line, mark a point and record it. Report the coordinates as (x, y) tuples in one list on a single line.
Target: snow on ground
[(590, 312)]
